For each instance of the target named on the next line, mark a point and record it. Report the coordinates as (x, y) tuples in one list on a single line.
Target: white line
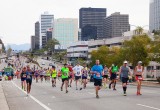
[(36, 100), (148, 107)]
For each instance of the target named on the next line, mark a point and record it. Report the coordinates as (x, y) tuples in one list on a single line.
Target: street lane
[(80, 100)]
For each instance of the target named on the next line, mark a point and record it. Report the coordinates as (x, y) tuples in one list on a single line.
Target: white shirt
[(78, 70)]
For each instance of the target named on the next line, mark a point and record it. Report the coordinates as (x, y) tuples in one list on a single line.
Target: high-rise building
[(154, 16), (91, 23), (115, 25), (49, 34), (46, 22), (37, 36), (65, 30), (33, 43)]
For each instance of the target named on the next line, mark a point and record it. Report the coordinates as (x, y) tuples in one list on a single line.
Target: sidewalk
[(3, 102), (147, 84)]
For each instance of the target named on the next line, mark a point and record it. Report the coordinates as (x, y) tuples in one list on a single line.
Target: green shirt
[(114, 69), (54, 73), (65, 72)]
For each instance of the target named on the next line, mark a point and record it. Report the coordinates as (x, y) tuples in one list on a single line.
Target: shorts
[(23, 79), (105, 76), (124, 80), (84, 77), (113, 76), (97, 82), (41, 75), (65, 79), (29, 81), (139, 77), (54, 77), (70, 77), (77, 77)]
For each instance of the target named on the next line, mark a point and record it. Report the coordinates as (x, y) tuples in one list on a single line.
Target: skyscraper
[(91, 23), (37, 36), (46, 22), (32, 43), (154, 16), (115, 25), (65, 30)]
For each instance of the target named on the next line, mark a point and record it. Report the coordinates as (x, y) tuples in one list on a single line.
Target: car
[(50, 64), (43, 63)]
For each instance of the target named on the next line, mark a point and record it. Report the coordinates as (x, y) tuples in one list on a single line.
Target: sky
[(17, 17)]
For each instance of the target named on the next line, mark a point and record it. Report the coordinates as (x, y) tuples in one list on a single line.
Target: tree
[(9, 51), (3, 47), (139, 30), (51, 44)]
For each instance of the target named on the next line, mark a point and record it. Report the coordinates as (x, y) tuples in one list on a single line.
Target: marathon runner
[(84, 76), (36, 73), (41, 74), (124, 73), (139, 76), (48, 74), (113, 78), (65, 76), (29, 79), (71, 75), (97, 70), (23, 79), (78, 74), (53, 75), (105, 76)]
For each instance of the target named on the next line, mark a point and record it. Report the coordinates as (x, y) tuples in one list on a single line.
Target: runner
[(36, 73), (41, 74), (78, 74), (124, 73), (65, 76), (97, 70), (71, 75), (84, 76), (29, 79), (54, 76), (113, 78), (23, 79), (48, 74), (139, 76), (105, 76)]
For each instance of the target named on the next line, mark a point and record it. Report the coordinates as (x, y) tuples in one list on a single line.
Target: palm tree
[(139, 30)]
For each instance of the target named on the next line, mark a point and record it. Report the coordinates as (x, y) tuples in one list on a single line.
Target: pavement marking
[(36, 100), (90, 93), (148, 106)]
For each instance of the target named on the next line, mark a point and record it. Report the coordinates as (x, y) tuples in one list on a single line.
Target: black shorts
[(23, 79), (29, 81), (41, 75), (105, 76), (65, 79), (77, 77), (84, 77), (54, 77), (124, 80), (113, 76), (70, 77), (97, 82)]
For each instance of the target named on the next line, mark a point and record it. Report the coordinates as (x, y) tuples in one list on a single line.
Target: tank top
[(124, 71), (54, 73), (106, 72), (139, 70)]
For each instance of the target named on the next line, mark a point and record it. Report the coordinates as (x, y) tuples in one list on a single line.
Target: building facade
[(49, 34), (37, 36), (46, 22), (65, 30), (154, 15), (33, 42), (91, 23), (116, 24)]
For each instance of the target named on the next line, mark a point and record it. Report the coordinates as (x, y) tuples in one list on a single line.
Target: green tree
[(3, 47), (51, 44)]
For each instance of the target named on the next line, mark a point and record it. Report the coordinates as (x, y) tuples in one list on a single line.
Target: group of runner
[(81, 74)]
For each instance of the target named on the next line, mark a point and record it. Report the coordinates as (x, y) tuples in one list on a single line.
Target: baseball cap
[(140, 62), (125, 62)]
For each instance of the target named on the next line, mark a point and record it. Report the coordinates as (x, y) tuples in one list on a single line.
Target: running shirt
[(78, 70), (23, 74), (114, 69), (48, 73), (54, 73), (124, 71), (65, 72), (139, 70), (29, 74), (106, 72), (97, 69), (85, 72)]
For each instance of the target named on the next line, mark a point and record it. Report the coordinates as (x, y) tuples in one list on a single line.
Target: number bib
[(24, 75), (28, 76), (98, 75)]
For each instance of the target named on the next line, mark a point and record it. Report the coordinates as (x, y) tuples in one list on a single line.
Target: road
[(45, 97)]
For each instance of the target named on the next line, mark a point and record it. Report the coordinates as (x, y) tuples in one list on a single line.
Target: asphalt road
[(44, 97)]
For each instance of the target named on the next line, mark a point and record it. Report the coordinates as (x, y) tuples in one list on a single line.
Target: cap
[(53, 66), (125, 62), (140, 62)]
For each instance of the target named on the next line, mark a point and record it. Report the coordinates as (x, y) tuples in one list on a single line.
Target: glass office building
[(65, 30)]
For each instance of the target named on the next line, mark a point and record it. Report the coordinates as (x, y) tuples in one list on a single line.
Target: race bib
[(65, 73), (24, 76), (28, 76), (140, 77), (98, 75), (78, 73)]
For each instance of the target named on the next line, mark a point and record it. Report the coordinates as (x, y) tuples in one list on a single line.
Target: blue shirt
[(98, 69), (29, 74)]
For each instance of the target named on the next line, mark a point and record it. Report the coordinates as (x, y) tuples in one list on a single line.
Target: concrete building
[(46, 22), (154, 15), (115, 25), (77, 50), (33, 42), (65, 31), (49, 34), (37, 35), (91, 23)]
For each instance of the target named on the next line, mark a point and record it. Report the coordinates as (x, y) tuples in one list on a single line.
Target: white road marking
[(36, 100), (148, 106), (90, 93)]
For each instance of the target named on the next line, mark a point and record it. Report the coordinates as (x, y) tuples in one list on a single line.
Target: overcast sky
[(17, 17)]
